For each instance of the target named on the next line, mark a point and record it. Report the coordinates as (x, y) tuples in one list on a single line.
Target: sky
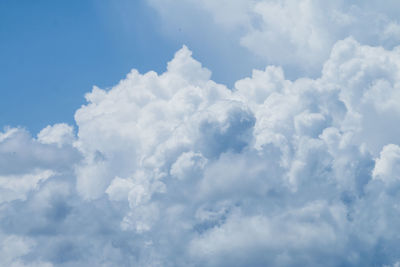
[(199, 133), (54, 52)]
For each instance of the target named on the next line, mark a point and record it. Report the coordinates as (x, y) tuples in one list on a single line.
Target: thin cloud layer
[(296, 34), (174, 169)]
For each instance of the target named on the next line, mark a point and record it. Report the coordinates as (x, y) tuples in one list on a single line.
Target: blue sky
[(52, 53), (199, 133)]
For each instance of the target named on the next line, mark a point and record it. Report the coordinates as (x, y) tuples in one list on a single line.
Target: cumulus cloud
[(16, 187), (174, 169), (387, 165), (59, 134)]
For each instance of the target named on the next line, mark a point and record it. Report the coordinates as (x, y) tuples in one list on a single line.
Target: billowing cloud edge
[(178, 170)]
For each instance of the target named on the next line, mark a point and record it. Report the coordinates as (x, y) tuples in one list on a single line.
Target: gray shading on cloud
[(174, 169)]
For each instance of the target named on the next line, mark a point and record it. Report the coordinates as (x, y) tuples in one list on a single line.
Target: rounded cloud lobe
[(178, 170)]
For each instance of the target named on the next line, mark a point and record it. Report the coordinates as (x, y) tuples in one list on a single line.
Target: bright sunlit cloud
[(175, 169)]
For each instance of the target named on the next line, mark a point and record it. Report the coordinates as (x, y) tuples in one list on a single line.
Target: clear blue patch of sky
[(53, 52)]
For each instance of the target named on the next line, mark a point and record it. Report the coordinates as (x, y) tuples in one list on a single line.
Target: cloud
[(21, 154), (59, 134), (386, 166), (296, 34), (13, 247), (16, 187), (174, 169)]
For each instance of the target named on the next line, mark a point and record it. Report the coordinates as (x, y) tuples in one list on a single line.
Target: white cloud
[(387, 166), (221, 172), (296, 34), (279, 240), (22, 154), (13, 248), (17, 186), (59, 134), (189, 165), (174, 169)]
